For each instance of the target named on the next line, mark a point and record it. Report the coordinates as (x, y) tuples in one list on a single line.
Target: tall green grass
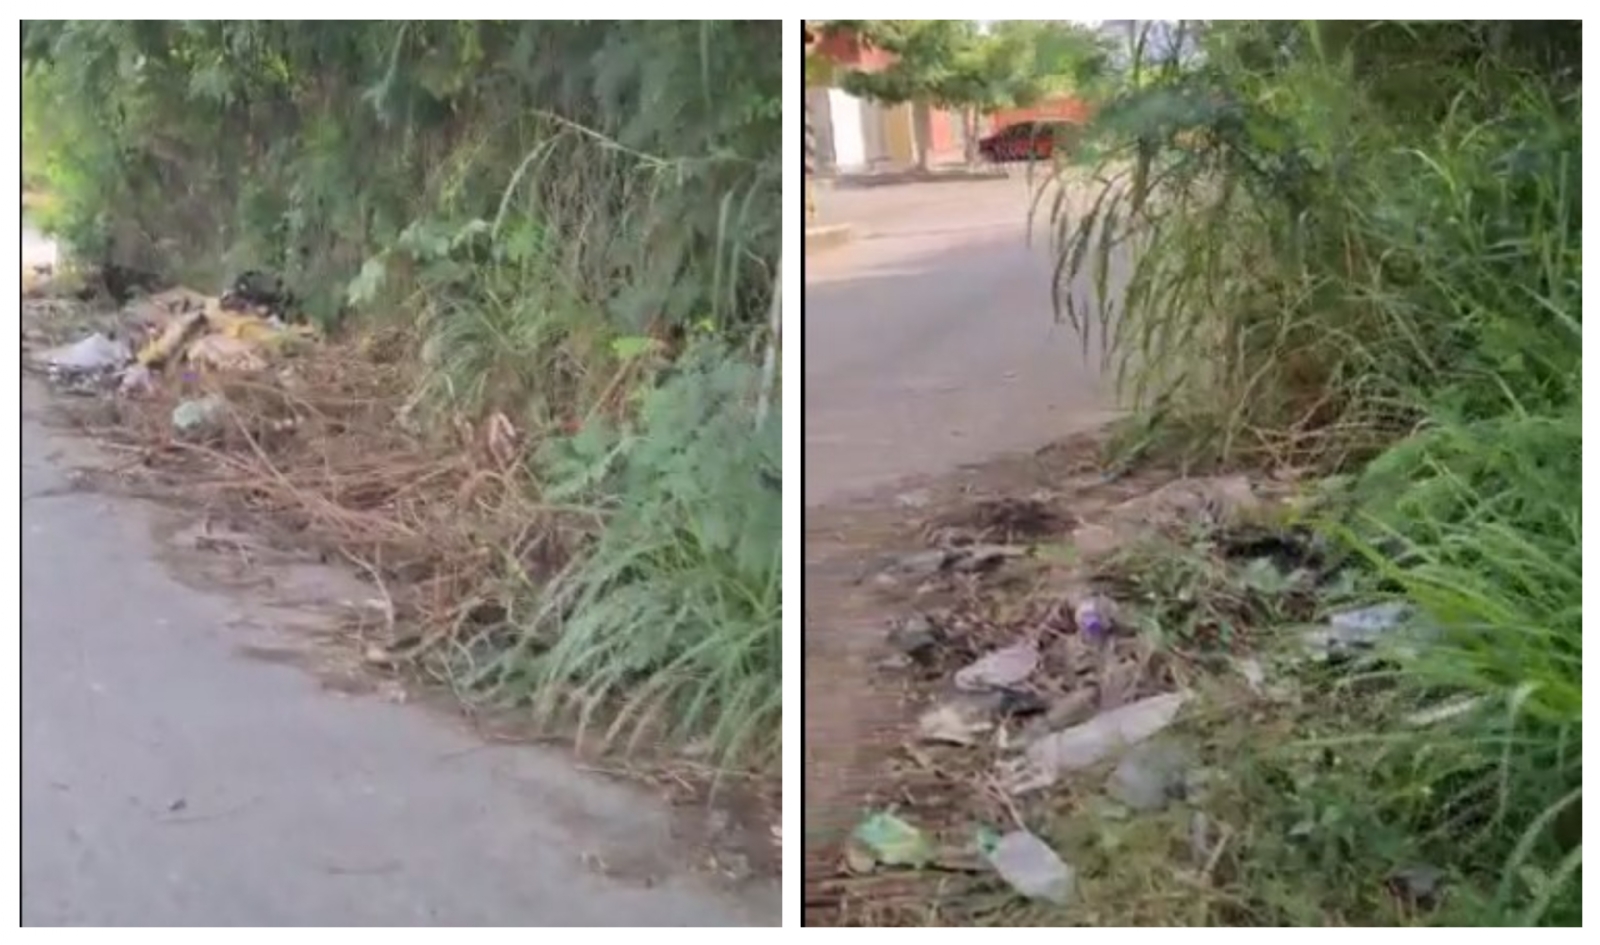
[(667, 627), (1360, 249)]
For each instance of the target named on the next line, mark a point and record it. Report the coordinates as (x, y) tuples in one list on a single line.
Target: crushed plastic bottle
[(1030, 867)]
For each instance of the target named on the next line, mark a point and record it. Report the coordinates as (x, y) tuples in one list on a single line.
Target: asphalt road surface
[(170, 779), (930, 340)]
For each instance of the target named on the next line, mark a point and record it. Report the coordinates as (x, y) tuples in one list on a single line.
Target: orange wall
[(943, 131), (1065, 108), (848, 51)]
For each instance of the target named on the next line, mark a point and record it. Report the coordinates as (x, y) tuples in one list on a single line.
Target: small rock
[(1151, 776), (1000, 668)]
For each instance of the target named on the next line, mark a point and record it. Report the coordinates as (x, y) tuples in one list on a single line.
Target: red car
[(1025, 140)]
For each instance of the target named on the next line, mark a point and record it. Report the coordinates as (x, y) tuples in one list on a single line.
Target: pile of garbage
[(180, 331)]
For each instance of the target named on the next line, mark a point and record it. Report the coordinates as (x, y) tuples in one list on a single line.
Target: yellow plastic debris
[(171, 342), (225, 353)]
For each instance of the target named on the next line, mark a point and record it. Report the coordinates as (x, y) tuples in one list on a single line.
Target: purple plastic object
[(1093, 618)]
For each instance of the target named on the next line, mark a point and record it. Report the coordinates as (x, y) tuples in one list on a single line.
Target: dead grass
[(316, 453), (1179, 560)]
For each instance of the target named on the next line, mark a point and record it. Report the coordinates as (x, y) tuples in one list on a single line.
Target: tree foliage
[(310, 147), (955, 64)]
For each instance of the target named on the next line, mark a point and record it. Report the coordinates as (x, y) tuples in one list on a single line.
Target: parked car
[(1024, 140)]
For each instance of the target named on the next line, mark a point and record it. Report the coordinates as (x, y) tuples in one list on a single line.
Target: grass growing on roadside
[(551, 210), (1331, 275), (668, 627)]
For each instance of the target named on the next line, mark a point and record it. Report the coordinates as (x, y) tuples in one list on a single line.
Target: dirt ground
[(936, 378)]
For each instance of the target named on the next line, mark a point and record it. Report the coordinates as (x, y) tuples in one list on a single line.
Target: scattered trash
[(1361, 629), (137, 379), (889, 841), (1368, 623), (1095, 617), (961, 720), (1000, 668), (219, 334), (259, 291), (964, 717), (173, 338), (87, 355), (1074, 708), (1086, 745), (225, 353), (916, 637), (1420, 885), (192, 417), (1152, 775), (971, 559), (1029, 866)]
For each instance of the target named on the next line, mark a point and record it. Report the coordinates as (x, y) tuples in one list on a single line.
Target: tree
[(957, 65)]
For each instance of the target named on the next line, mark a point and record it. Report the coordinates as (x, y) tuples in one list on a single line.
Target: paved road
[(168, 779), (930, 341)]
